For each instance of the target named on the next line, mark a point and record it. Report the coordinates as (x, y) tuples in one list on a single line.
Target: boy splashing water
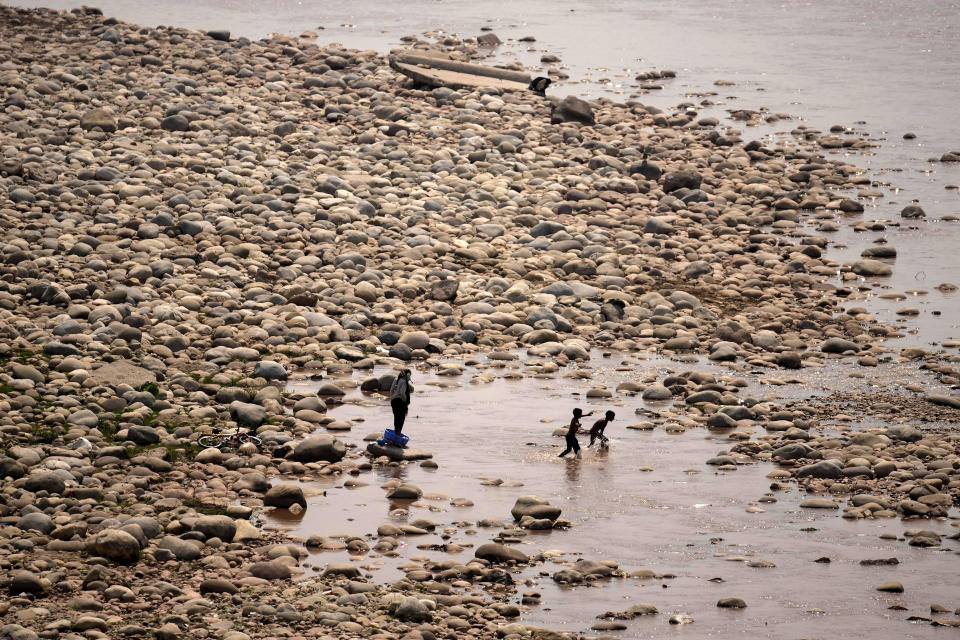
[(596, 431)]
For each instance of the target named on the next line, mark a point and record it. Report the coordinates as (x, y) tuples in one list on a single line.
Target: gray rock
[(45, 481), (272, 570), (943, 400), (270, 370), (731, 603), (254, 481), (913, 211), (684, 179), (701, 397), (148, 525), (870, 267), (321, 447), (284, 495), (498, 553), (546, 228), (341, 569), (175, 122), (445, 290), (218, 585), (83, 418), (119, 592), (246, 414), (183, 550), (26, 372), (655, 224), (411, 609), (656, 392), (222, 527), (116, 545), (405, 491), (37, 521), (26, 582), (838, 345), (822, 469), (572, 109), (535, 507), (143, 435), (903, 433), (10, 468), (98, 118), (792, 451)]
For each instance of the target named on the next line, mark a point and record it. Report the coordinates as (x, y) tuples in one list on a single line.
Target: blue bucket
[(393, 438)]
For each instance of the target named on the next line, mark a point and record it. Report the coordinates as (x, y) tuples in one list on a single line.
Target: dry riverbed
[(202, 232)]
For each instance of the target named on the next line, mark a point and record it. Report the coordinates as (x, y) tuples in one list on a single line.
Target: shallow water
[(667, 519), (881, 67)]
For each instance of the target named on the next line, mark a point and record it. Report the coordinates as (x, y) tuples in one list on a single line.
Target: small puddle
[(647, 502)]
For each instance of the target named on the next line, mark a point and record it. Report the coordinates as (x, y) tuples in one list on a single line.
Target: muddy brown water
[(649, 501)]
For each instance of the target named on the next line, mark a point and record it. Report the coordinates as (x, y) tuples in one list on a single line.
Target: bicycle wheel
[(211, 441), (254, 439)]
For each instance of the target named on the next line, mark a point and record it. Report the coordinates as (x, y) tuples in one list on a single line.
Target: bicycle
[(219, 440)]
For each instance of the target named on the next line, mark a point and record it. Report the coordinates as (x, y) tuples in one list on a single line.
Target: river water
[(647, 502), (883, 68)]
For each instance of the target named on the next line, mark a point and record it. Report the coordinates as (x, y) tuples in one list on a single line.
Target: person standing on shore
[(400, 392), (572, 443)]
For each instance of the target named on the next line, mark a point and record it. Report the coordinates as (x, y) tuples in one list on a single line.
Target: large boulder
[(99, 118), (838, 345), (36, 521), (396, 453), (823, 469), (272, 570), (684, 179), (415, 339), (572, 109), (269, 370), (405, 491), (412, 609), (284, 496), (246, 414), (10, 468), (792, 451), (143, 435), (222, 527), (535, 507), (498, 553), (25, 582), (148, 525), (321, 447), (183, 550), (444, 290), (116, 545), (45, 481), (904, 433), (871, 267)]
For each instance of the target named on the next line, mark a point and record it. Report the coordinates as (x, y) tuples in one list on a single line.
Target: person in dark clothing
[(400, 392), (596, 431), (572, 443)]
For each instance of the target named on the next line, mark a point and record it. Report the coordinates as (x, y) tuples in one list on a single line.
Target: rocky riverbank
[(188, 218)]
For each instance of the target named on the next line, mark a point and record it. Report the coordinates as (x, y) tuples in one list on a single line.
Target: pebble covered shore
[(189, 219)]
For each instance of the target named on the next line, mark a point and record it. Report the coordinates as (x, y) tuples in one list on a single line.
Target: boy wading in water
[(596, 431), (572, 443), (400, 392)]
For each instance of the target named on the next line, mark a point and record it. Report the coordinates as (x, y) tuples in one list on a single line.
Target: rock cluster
[(189, 218)]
